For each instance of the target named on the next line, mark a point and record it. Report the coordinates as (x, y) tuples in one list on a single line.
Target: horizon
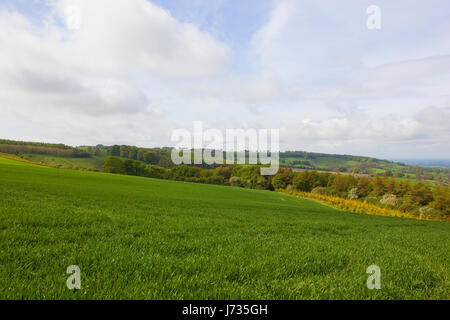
[(71, 75), (397, 160)]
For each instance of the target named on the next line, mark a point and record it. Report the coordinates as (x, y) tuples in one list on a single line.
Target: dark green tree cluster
[(19, 149), (156, 156), (35, 144), (187, 173), (126, 166)]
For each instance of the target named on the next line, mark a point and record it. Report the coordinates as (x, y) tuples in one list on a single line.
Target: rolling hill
[(142, 238), (93, 157)]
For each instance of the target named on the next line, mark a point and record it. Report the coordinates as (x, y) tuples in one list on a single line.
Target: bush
[(353, 194), (319, 190), (114, 165), (389, 199), (235, 181), (152, 171), (282, 179), (351, 205)]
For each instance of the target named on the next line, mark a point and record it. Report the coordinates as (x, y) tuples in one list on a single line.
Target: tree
[(378, 186), (420, 194), (224, 172), (343, 182), (283, 178), (363, 186), (165, 162), (262, 183), (114, 165), (235, 181), (156, 172), (140, 154), (441, 201), (124, 151), (301, 181), (391, 186), (388, 173), (132, 154), (134, 168), (403, 188), (115, 150), (151, 157)]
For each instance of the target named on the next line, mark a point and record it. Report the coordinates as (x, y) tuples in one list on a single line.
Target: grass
[(330, 162), (94, 162), (140, 238)]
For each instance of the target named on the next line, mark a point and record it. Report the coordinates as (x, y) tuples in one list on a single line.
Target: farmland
[(92, 158), (142, 238)]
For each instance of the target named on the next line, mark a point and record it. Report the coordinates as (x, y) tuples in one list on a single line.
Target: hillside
[(142, 238), (364, 165), (93, 157)]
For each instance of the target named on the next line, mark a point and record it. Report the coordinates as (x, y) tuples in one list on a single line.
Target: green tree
[(343, 182), (152, 171), (134, 168), (114, 165), (235, 181), (403, 188), (133, 153), (391, 186), (140, 154), (283, 178), (301, 181), (124, 151), (114, 150), (420, 194), (165, 162), (378, 186), (363, 186), (441, 201), (151, 157)]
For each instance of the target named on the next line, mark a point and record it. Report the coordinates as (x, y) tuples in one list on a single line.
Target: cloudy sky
[(131, 71)]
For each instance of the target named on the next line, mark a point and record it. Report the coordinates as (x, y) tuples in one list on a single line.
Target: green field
[(141, 238), (94, 162)]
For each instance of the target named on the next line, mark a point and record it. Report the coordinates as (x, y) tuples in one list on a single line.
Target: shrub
[(389, 199), (319, 190), (355, 206), (235, 181), (353, 194), (114, 165), (152, 171), (283, 178)]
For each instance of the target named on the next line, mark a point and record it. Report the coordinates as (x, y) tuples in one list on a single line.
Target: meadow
[(92, 163), (142, 238)]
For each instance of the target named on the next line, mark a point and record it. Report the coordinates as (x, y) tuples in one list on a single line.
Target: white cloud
[(132, 72), (389, 135), (279, 19), (97, 68)]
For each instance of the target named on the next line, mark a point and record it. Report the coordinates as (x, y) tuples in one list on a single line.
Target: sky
[(85, 72)]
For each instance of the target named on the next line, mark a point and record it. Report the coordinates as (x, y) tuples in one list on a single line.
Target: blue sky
[(135, 70)]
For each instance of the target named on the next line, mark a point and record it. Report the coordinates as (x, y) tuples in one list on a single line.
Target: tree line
[(417, 199), (157, 156), (18, 149), (35, 144)]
